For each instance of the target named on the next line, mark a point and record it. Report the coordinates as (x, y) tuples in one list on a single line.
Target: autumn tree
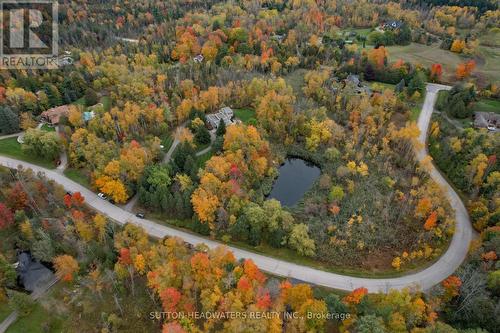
[(464, 70), (436, 72), (6, 216), (275, 113), (7, 276), (66, 266), (378, 56), (41, 143)]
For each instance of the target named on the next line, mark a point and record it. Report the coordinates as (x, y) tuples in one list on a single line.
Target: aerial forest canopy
[(187, 114)]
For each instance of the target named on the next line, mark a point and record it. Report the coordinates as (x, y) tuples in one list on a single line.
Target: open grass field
[(488, 66), (490, 62), (363, 32), (202, 159), (487, 105), (426, 55), (10, 147), (5, 311), (375, 85), (492, 38), (77, 176), (106, 102), (40, 320), (244, 114), (80, 101)]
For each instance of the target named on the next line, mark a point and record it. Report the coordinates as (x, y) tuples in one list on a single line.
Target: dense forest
[(116, 279)]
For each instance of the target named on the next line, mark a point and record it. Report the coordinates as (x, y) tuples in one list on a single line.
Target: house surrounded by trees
[(53, 116), (225, 114)]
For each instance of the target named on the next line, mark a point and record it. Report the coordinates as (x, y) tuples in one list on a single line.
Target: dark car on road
[(140, 215)]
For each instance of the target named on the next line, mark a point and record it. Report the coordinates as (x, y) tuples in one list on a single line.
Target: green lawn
[(415, 112), (487, 105), (5, 311), (375, 85), (244, 114), (491, 38), (363, 32), (48, 128), (167, 141), (202, 159), (106, 102), (80, 101), (77, 176), (10, 147), (40, 320), (427, 55)]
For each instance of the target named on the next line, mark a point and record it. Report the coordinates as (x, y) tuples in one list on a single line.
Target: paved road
[(425, 279)]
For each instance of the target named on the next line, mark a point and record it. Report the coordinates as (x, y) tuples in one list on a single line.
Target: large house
[(225, 114), (488, 120), (31, 273), (53, 116)]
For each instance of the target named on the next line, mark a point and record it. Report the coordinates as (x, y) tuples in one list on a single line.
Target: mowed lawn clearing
[(430, 54), (11, 148), (78, 176), (245, 114), (487, 105)]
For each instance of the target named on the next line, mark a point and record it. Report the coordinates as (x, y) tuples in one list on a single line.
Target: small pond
[(296, 177)]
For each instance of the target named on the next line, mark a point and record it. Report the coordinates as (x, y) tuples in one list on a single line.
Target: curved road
[(424, 279)]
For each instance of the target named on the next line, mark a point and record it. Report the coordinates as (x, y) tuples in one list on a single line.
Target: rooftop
[(54, 115)]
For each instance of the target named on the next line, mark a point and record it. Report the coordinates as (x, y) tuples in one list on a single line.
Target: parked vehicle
[(102, 196), (140, 215)]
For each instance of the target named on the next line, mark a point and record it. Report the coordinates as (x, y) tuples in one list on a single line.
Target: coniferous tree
[(221, 130), (9, 121)]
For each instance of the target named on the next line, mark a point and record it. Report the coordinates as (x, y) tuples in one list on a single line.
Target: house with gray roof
[(225, 114), (488, 120), (32, 274)]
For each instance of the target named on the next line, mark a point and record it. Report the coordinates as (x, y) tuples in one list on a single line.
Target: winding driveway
[(424, 279)]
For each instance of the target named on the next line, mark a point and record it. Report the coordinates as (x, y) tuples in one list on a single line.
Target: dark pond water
[(295, 178)]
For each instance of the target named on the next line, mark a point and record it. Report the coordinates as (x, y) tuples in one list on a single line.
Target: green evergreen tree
[(202, 136), (91, 97), (221, 129), (417, 83), (9, 120)]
